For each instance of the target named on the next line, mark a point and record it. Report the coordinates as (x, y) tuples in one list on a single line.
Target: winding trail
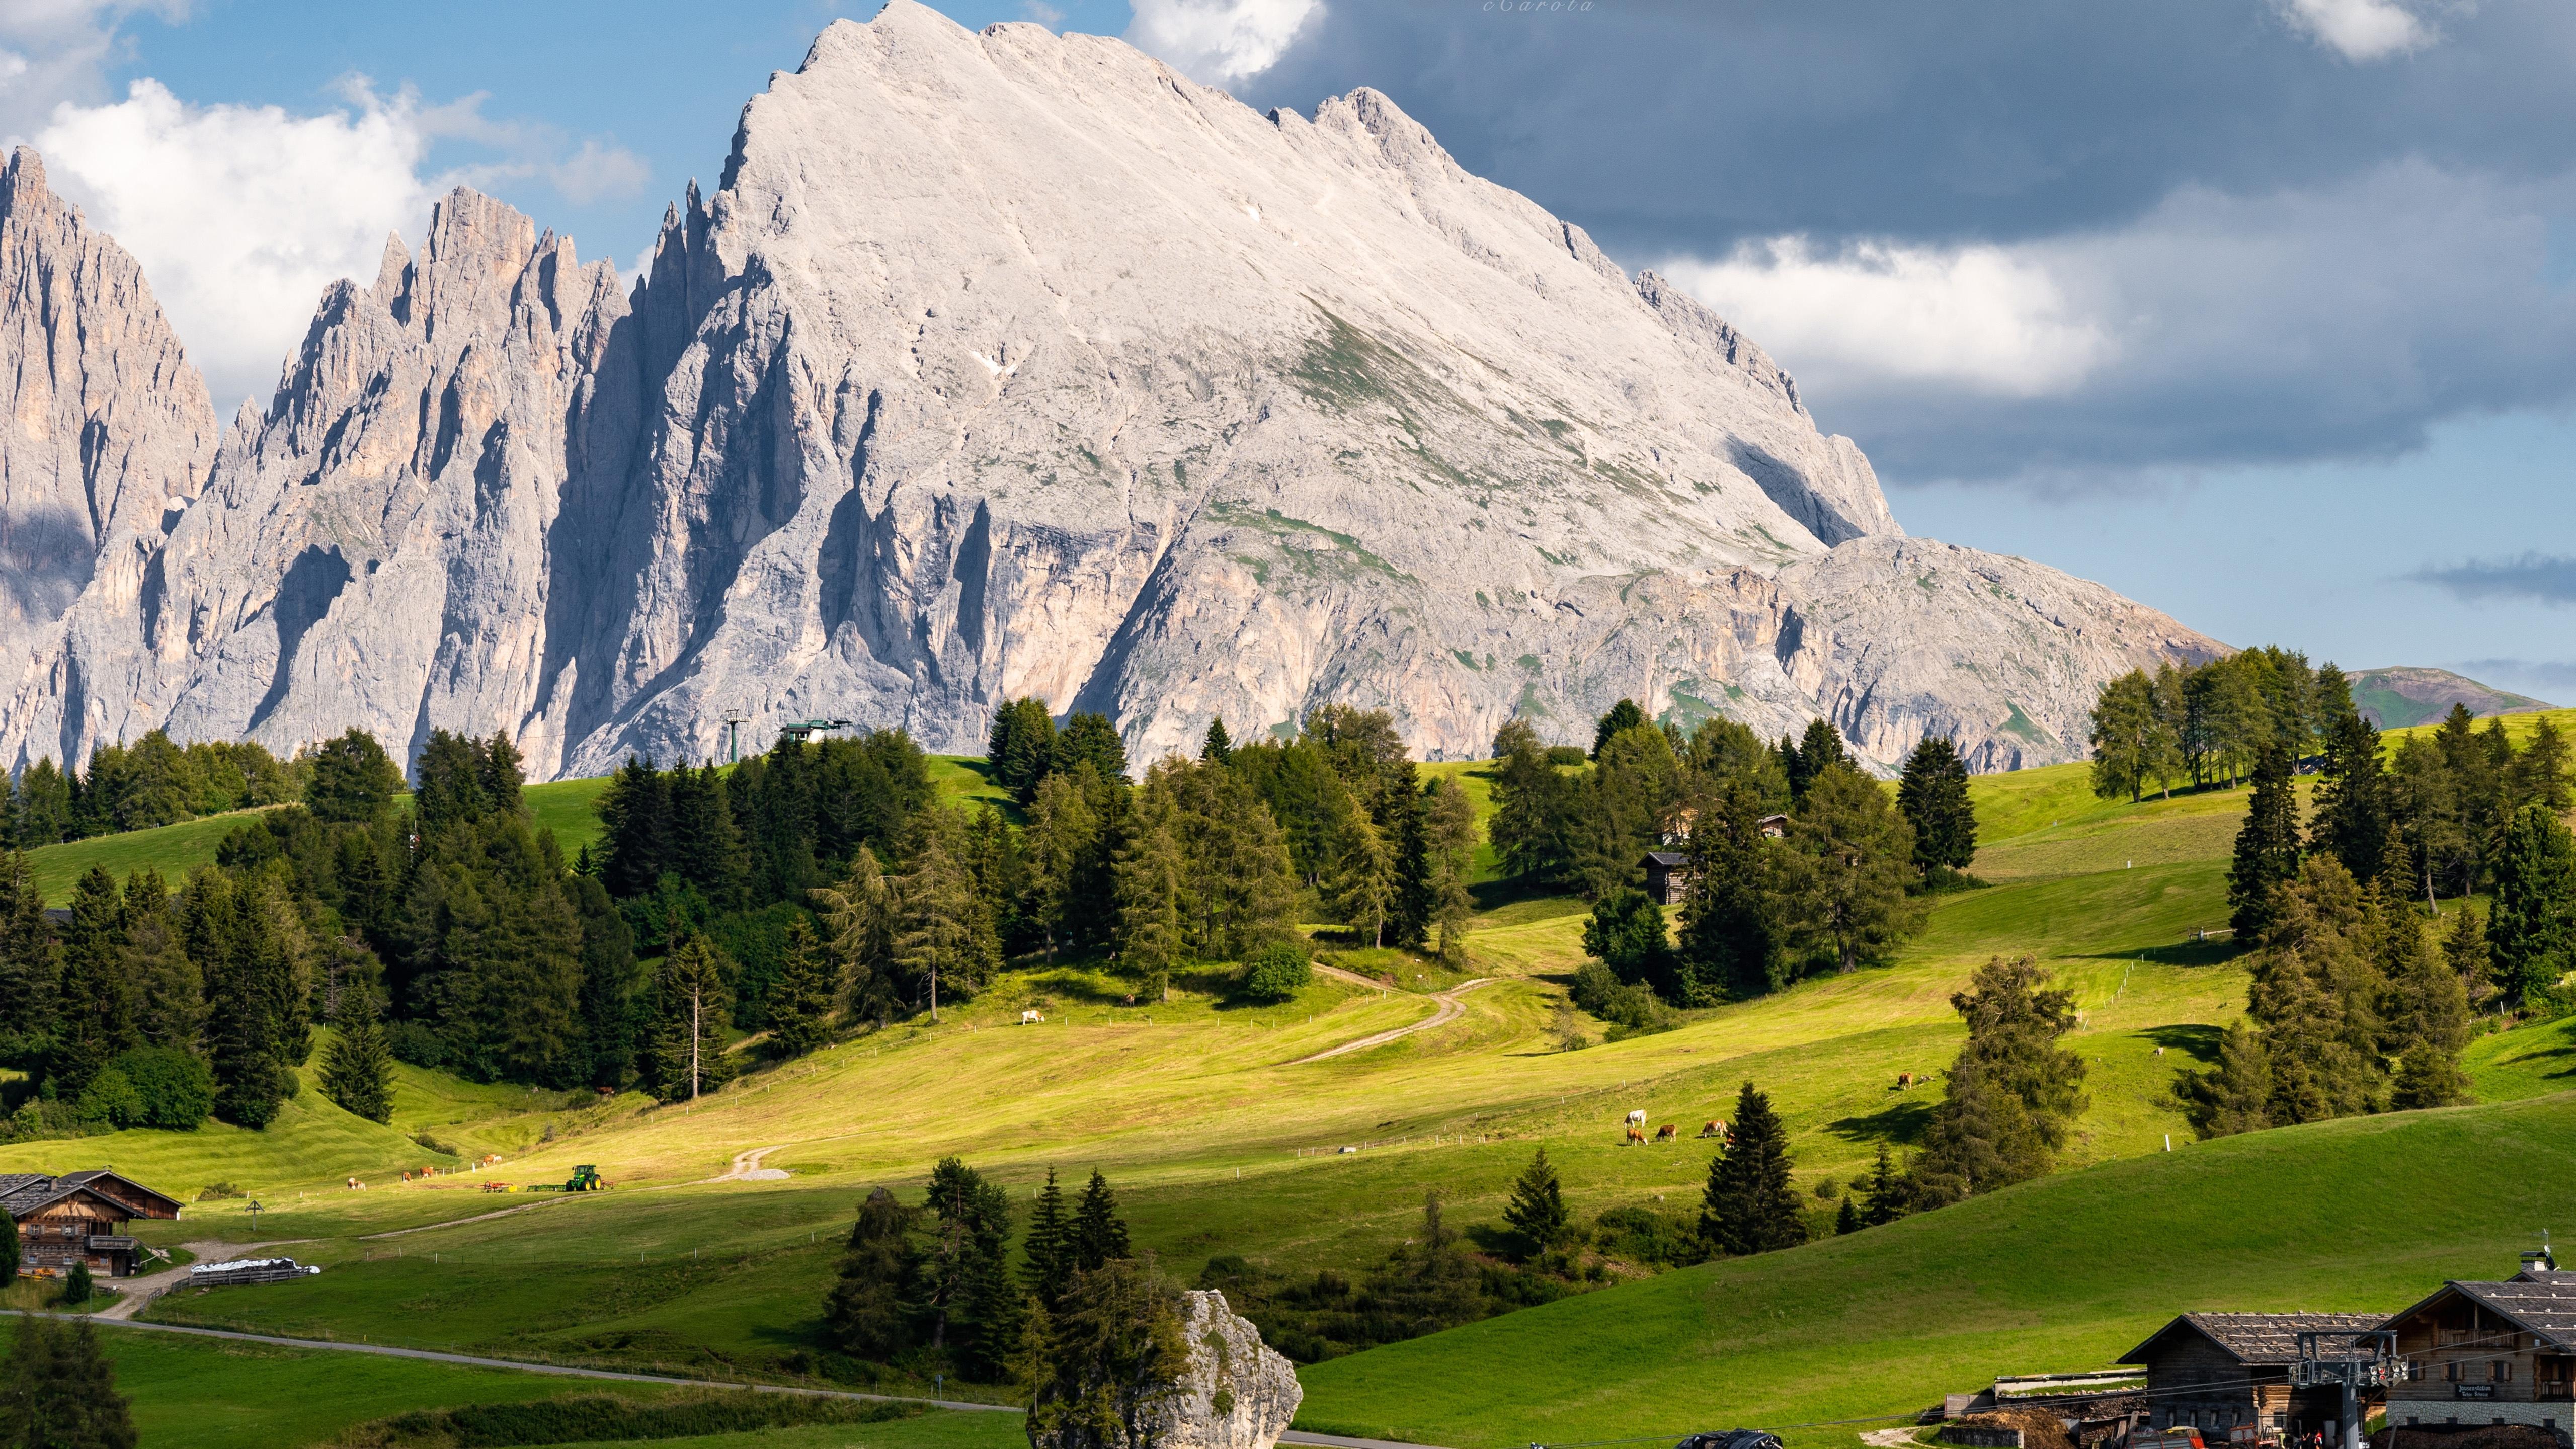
[(746, 1168), (134, 1293), (1450, 1010)]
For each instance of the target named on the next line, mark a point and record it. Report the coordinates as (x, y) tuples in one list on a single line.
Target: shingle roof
[(2540, 1304), (1667, 858), (22, 1193), (2259, 1338), (89, 1176)]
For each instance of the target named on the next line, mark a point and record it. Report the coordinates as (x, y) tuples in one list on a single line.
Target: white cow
[(1032, 1018), (1637, 1118)]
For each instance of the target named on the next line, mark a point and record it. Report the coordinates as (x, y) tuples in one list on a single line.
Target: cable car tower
[(2353, 1359)]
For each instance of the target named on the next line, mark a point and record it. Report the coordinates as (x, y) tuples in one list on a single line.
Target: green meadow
[(1223, 1139)]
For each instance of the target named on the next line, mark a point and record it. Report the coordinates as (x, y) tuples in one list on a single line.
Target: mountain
[(2404, 695), (1005, 363)]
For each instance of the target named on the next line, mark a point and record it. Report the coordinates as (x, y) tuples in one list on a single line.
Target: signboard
[(2473, 1391)]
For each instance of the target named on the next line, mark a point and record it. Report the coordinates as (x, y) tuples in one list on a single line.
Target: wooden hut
[(2220, 1371), (79, 1217)]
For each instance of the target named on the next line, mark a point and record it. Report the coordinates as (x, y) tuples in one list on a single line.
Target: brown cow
[(1904, 1081), (1668, 1133), (1713, 1129), (1636, 1136)]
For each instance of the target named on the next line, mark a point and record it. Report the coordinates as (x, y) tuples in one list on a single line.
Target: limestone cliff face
[(1009, 363), (103, 427)]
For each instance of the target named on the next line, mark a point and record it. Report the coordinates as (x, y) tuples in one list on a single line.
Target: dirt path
[(1450, 1010), (133, 1293), (476, 1218), (746, 1168)]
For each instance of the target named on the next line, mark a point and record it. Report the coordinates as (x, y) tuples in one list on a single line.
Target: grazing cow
[(1637, 1118), (1668, 1133), (1905, 1081), (1636, 1135), (1713, 1129), (1032, 1018)]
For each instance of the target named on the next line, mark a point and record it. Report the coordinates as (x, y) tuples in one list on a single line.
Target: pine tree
[(1854, 907), (1090, 739), (1363, 884), (353, 780), (692, 1007), (97, 1010), (30, 969), (2351, 820), (1049, 1246), (2234, 1096), (1847, 1221), (1622, 716), (2464, 950), (58, 1391), (1449, 822), (1817, 750), (357, 1067), (2531, 932), (1748, 1205), (1148, 874), (1883, 1194), (1734, 937), (800, 1001), (877, 1293), (1537, 1211), (1933, 796), (941, 934), (1218, 747), (2267, 848), (1099, 1234)]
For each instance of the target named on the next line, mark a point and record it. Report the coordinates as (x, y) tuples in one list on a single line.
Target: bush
[(1647, 1238), (1276, 972), (412, 1042), (176, 1088), (77, 1288), (110, 1100), (1566, 755), (1599, 991), (423, 1138), (601, 1417), (217, 1191), (37, 1119)]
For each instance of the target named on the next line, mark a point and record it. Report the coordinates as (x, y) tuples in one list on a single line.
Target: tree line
[(1796, 862), (153, 781)]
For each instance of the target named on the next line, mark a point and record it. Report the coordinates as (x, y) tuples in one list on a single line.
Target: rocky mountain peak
[(1008, 363)]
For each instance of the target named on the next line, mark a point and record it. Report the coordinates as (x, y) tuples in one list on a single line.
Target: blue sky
[(2260, 311)]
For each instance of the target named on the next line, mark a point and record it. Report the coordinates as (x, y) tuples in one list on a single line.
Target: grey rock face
[(103, 426), (1009, 363), (1239, 1393)]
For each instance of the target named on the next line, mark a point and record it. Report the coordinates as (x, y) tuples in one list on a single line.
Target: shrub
[(175, 1087), (77, 1288), (412, 1042), (1599, 990), (1276, 972), (1566, 755), (215, 1191), (110, 1099)]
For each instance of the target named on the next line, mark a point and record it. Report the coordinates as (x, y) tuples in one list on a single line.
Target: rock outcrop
[(1239, 1393), (1006, 363), (103, 428)]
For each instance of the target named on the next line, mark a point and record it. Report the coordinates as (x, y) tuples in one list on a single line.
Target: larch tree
[(859, 915), (2131, 739), (1449, 820)]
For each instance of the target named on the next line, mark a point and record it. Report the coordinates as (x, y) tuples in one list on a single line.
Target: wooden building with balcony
[(79, 1217), (2221, 1371), (2476, 1354)]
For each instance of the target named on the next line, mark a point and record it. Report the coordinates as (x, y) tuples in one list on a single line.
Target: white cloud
[(596, 171), (1983, 319), (52, 51), (2360, 30), (1220, 41), (241, 215)]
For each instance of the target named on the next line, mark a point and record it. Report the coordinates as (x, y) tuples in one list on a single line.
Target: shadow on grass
[(2196, 1041), (2181, 953), (1898, 1125)]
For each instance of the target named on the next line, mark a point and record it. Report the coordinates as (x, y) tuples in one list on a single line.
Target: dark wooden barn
[(2217, 1371)]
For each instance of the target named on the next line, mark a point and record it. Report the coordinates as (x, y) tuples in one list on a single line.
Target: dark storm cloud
[(2538, 577), (2127, 238)]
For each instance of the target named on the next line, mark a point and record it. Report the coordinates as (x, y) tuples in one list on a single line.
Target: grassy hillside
[(2062, 1274), (1222, 1139)]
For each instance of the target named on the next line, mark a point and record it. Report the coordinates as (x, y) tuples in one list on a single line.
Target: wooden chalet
[(79, 1217), (2217, 1371), (1668, 877), (2490, 1353)]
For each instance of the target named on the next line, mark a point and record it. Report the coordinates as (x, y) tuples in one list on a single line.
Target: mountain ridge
[(1060, 375)]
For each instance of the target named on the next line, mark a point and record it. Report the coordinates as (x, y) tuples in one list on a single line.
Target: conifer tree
[(1105, 1364), (1622, 716), (1148, 882), (859, 913), (1099, 1234), (1531, 801), (2132, 742), (2464, 951), (1820, 748), (635, 824), (2426, 1012), (2351, 821), (705, 846), (800, 1001), (2267, 848), (1049, 1246), (256, 1030), (1090, 739), (2532, 930), (1748, 1205), (1449, 825), (1734, 935), (876, 1294), (2428, 1077), (965, 1282), (1363, 883), (57, 1391), (97, 1010), (1847, 1221), (2234, 1096), (170, 990), (1021, 748), (1854, 908), (1883, 1195), (1218, 747), (357, 1068), (1061, 837), (30, 968), (2540, 771), (1933, 796), (1537, 1211), (942, 933), (691, 1008), (10, 1249), (353, 780)]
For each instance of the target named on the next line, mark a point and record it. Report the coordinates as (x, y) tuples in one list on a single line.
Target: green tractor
[(586, 1178)]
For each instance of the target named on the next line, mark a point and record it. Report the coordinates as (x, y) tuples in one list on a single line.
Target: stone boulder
[(1239, 1393)]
